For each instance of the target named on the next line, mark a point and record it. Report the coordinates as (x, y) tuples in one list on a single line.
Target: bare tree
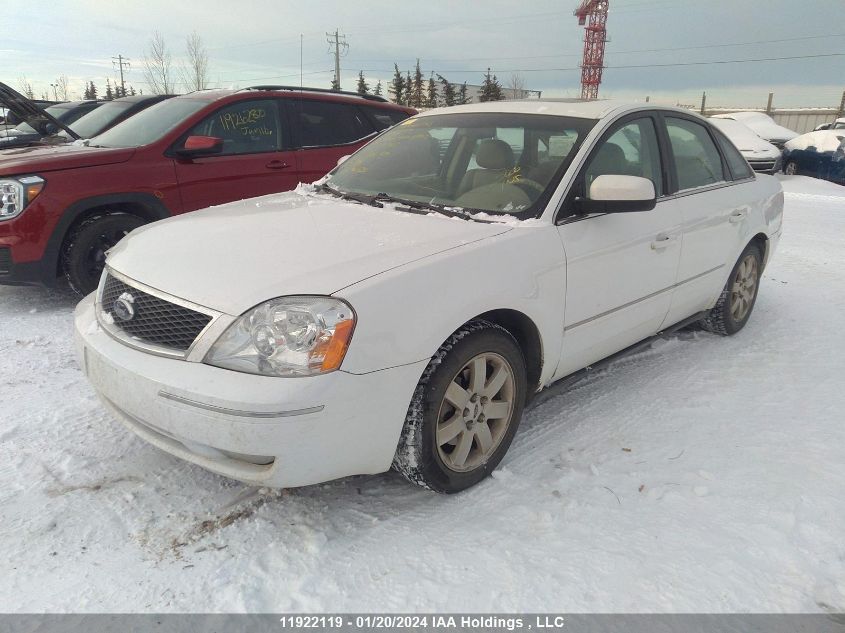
[(516, 86), (157, 66), (62, 87), (196, 73), (26, 87)]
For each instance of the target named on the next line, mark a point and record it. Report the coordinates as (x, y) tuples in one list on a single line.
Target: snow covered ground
[(705, 474)]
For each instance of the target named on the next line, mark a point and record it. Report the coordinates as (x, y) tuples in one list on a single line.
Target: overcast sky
[(258, 41)]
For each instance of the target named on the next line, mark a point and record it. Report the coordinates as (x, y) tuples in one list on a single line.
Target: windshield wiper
[(427, 206), (355, 197)]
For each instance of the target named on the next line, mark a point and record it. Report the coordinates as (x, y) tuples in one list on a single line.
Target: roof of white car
[(597, 109)]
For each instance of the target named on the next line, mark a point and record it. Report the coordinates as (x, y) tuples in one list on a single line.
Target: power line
[(625, 52), (721, 61)]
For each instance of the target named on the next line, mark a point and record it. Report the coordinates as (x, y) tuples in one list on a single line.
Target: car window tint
[(738, 166), (632, 150), (696, 157), (246, 127), (324, 123), (383, 118)]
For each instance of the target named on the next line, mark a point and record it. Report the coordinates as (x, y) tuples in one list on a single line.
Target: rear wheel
[(733, 309), (85, 251), (791, 168), (465, 410)]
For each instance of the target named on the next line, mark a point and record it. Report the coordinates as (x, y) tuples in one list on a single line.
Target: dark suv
[(63, 207)]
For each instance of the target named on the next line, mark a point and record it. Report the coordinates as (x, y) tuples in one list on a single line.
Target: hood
[(41, 158), (235, 256), (30, 113)]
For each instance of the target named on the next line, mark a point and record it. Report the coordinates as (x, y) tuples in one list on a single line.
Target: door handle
[(277, 164), (737, 216), (662, 242)]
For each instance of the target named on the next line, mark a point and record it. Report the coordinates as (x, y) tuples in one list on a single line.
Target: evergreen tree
[(431, 93), (397, 86), (85, 93), (408, 89), (491, 89), (377, 92), (92, 90), (335, 84), (463, 97), (447, 91), (132, 91), (109, 94), (363, 86), (418, 88)]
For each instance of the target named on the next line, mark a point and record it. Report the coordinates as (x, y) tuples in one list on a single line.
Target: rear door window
[(383, 118), (326, 123), (696, 158)]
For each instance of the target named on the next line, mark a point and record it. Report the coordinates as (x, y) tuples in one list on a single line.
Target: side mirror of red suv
[(201, 146)]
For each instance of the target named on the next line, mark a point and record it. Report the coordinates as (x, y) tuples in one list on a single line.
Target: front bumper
[(265, 431)]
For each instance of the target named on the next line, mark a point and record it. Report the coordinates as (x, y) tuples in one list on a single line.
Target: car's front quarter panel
[(405, 314), (310, 429)]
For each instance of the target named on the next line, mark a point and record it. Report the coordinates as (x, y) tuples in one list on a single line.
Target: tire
[(735, 304), (426, 456), (791, 168), (84, 254)]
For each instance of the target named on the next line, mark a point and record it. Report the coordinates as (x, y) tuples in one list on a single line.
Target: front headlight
[(17, 193), (289, 336)]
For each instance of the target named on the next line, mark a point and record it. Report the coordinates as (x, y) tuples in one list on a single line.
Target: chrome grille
[(155, 320)]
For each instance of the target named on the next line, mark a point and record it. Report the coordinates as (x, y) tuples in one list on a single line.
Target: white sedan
[(402, 311), (760, 154), (763, 125)]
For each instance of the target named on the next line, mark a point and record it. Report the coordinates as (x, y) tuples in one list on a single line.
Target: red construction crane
[(593, 13)]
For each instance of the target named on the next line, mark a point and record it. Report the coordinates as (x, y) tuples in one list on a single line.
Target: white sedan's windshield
[(492, 162)]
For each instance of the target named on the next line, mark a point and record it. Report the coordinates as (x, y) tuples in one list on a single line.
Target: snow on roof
[(821, 140)]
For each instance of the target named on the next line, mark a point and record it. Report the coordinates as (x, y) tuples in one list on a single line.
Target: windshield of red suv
[(149, 125), (483, 161)]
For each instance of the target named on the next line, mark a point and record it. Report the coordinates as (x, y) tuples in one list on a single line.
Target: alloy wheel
[(476, 412), (744, 288)]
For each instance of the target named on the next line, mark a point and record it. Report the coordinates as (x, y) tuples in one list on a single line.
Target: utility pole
[(769, 103), (841, 106), (703, 102), (120, 61), (55, 93), (339, 42)]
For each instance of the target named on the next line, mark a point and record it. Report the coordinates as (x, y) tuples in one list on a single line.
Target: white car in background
[(402, 311), (763, 125), (760, 154)]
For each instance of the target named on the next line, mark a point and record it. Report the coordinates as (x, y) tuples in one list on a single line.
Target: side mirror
[(200, 146), (342, 160), (618, 194)]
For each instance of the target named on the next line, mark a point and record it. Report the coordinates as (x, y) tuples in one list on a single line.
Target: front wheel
[(733, 309), (465, 410), (85, 251), (791, 168)]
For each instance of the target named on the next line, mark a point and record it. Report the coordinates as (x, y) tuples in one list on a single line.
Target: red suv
[(62, 208)]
